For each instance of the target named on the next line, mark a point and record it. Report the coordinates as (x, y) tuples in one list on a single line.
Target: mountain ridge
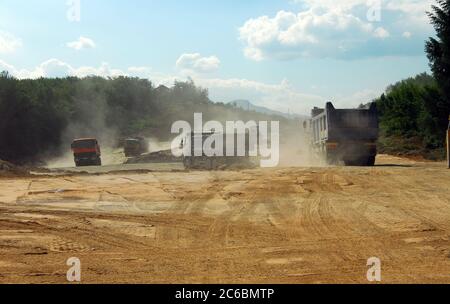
[(249, 106)]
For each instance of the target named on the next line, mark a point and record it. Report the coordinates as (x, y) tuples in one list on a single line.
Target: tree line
[(41, 117), (414, 113)]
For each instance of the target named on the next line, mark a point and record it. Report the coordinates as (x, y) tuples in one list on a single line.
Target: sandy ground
[(286, 225)]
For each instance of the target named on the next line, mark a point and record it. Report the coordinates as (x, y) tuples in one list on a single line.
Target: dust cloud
[(89, 121), (296, 150), (155, 145)]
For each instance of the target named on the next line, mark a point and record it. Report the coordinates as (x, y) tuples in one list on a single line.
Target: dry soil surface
[(285, 225)]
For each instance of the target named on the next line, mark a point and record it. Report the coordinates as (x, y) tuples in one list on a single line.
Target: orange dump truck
[(86, 152)]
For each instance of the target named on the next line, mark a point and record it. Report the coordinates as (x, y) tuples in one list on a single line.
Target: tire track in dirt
[(262, 226)]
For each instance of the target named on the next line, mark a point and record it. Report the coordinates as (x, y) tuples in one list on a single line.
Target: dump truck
[(86, 152), (135, 146), (346, 136), (194, 157)]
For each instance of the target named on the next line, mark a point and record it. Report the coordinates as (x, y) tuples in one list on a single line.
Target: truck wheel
[(361, 162), (357, 162), (349, 163), (332, 160), (371, 161), (187, 163)]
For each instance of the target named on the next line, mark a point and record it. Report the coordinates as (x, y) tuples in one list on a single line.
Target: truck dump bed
[(352, 125), (345, 135), (195, 157)]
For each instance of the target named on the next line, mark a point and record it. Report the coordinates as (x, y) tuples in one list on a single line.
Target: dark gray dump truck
[(135, 146), (345, 135), (195, 157)]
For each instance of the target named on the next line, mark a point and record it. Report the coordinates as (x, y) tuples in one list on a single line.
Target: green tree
[(412, 111), (438, 51)]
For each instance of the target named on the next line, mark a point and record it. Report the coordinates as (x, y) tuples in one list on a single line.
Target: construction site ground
[(284, 225)]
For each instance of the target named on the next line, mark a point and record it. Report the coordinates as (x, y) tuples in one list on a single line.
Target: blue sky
[(284, 54)]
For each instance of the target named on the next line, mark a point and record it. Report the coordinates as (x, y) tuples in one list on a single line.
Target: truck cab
[(86, 152), (345, 135)]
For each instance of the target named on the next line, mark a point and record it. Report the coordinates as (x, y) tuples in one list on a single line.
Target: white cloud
[(9, 43), (54, 68), (81, 44), (306, 34), (21, 73), (282, 96), (104, 70), (412, 11), (381, 33), (334, 29), (50, 68), (407, 35), (198, 64), (7, 67)]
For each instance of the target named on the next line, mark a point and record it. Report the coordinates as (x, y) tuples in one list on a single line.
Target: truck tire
[(332, 160), (187, 163), (212, 164), (350, 163), (361, 162), (357, 162), (371, 161)]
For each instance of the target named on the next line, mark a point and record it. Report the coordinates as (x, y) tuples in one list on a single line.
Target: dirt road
[(287, 225)]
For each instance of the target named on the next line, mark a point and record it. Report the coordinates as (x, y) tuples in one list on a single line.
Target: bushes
[(413, 111)]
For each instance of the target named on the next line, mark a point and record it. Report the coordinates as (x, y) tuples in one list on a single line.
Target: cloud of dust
[(296, 149), (155, 145), (89, 121)]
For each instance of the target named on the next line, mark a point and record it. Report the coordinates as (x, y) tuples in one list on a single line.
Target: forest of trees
[(414, 117), (41, 117)]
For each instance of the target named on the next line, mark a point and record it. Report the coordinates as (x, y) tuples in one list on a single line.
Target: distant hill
[(248, 106)]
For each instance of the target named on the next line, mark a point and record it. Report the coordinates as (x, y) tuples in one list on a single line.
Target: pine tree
[(438, 49)]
